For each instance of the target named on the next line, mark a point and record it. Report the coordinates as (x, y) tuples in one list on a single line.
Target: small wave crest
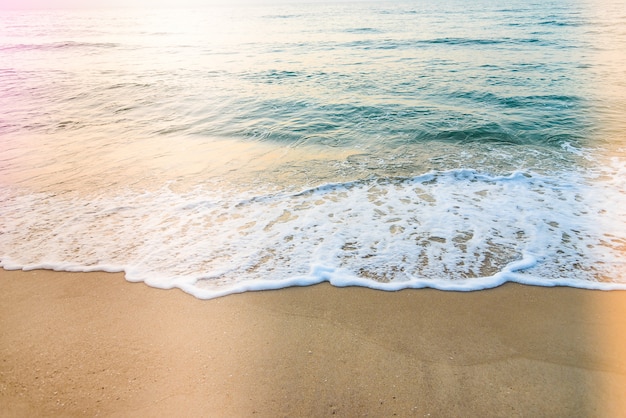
[(51, 46)]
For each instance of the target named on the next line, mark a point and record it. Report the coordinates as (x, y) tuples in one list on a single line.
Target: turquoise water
[(390, 145)]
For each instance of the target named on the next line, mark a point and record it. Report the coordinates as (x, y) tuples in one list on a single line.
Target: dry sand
[(93, 344)]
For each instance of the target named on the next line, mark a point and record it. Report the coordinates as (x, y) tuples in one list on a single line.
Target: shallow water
[(388, 145)]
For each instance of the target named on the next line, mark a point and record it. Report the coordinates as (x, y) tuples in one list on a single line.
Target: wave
[(546, 120), (452, 230), (51, 46), (404, 44), (475, 41), (363, 30)]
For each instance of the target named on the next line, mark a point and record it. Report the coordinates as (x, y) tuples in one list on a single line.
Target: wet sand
[(75, 344)]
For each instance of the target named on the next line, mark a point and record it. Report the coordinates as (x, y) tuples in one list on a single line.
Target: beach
[(359, 209), (94, 344)]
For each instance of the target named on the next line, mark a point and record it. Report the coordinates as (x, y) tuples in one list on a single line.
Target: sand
[(74, 344)]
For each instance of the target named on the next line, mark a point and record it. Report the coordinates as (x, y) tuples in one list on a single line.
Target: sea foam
[(451, 230)]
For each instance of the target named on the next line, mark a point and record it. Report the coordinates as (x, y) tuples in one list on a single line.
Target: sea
[(445, 144)]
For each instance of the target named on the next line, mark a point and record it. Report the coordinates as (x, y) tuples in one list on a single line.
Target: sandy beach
[(93, 344)]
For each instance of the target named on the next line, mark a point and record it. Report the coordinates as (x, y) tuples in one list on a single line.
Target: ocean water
[(401, 144)]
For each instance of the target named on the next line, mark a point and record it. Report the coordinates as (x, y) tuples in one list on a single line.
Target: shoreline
[(95, 344)]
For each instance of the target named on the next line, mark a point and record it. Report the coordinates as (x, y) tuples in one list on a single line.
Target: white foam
[(454, 230)]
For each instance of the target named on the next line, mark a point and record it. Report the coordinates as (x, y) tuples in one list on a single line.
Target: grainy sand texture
[(92, 344)]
